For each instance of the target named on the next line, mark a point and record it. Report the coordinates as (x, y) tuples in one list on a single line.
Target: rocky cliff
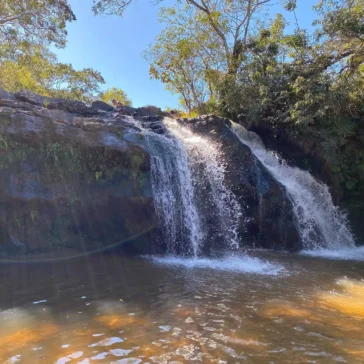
[(79, 177), (267, 220), (304, 147), (69, 179)]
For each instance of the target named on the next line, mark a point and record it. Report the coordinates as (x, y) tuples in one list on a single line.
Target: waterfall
[(174, 194), (320, 222), (208, 154), (178, 156)]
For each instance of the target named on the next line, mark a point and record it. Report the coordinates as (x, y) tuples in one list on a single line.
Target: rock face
[(307, 153), (79, 177), (267, 220), (69, 178)]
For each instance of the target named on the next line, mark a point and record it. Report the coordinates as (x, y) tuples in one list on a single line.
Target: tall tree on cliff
[(186, 57)]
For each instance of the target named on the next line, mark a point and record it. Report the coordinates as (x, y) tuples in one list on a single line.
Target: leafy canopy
[(115, 94), (27, 30), (34, 21), (38, 70)]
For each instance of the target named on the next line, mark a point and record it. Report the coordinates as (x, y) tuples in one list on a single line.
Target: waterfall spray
[(321, 224)]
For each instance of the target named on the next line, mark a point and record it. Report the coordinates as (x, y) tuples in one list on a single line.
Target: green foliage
[(101, 164), (312, 86), (34, 21), (110, 6), (38, 70), (115, 94), (34, 215), (98, 175), (290, 5), (202, 41), (27, 30)]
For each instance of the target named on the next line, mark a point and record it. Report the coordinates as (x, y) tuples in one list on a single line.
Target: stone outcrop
[(69, 177), (79, 177), (267, 220)]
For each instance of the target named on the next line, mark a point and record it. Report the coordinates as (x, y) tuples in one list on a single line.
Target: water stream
[(321, 224), (178, 157)]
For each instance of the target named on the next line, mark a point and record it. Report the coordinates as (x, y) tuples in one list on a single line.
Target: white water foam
[(238, 264), (321, 224), (340, 254), (176, 154), (173, 189), (209, 154)]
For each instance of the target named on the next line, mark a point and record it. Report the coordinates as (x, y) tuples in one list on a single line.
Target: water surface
[(267, 308)]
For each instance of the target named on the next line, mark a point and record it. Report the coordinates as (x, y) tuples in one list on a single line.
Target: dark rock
[(75, 107), (151, 118), (32, 98), (267, 220), (101, 105), (4, 95), (71, 106), (74, 176), (307, 153), (69, 180)]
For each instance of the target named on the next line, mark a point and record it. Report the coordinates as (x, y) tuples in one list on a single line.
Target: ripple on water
[(340, 254), (238, 264), (107, 342)]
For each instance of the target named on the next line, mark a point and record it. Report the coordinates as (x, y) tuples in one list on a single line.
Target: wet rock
[(267, 220), (69, 179)]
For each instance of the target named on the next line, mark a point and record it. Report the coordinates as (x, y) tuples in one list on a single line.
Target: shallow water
[(267, 308)]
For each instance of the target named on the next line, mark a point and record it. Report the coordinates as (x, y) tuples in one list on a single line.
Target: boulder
[(71, 106)]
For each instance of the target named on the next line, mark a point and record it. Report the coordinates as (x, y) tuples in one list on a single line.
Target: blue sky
[(114, 46)]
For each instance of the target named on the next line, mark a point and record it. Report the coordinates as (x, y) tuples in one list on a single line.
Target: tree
[(230, 20), (37, 69), (27, 29), (115, 94), (34, 21), (110, 6), (186, 57)]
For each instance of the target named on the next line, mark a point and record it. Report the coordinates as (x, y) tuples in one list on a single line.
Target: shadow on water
[(105, 308)]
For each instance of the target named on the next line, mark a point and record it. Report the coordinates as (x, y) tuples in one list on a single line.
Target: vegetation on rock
[(115, 94), (304, 85)]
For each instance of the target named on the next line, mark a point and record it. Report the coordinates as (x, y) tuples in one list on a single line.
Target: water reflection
[(109, 309)]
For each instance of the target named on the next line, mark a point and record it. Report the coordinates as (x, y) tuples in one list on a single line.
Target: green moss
[(66, 161)]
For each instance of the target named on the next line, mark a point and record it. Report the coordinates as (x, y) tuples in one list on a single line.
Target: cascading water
[(172, 185), (320, 223), (177, 155), (204, 152)]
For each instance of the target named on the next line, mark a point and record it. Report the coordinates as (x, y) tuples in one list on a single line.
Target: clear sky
[(114, 46)]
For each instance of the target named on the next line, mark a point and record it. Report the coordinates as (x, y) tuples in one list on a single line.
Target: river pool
[(106, 308)]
